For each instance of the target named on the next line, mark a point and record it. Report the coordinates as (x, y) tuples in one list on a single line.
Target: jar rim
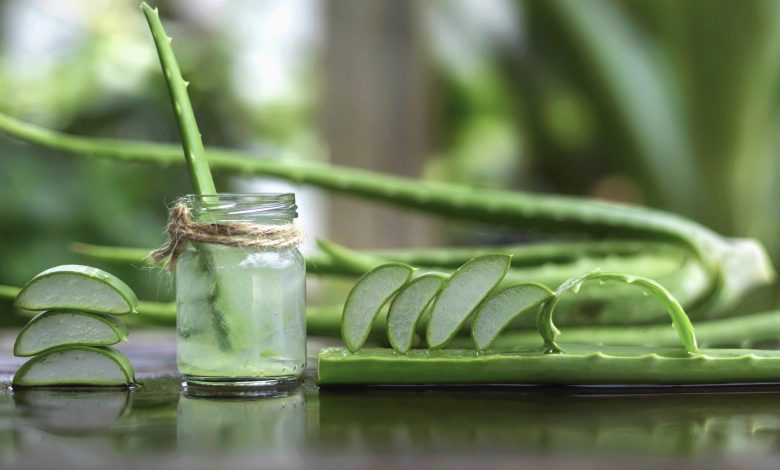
[(243, 206)]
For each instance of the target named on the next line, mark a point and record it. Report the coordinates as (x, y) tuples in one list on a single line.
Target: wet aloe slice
[(407, 308), (462, 293), (76, 365), (62, 327), (498, 311), (77, 287), (366, 299)]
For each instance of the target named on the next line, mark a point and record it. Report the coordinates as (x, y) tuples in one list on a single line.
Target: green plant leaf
[(194, 154), (76, 365), (76, 287), (56, 328), (461, 294), (366, 299), (498, 310), (407, 308)]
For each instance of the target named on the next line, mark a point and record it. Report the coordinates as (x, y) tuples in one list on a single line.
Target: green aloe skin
[(548, 363)]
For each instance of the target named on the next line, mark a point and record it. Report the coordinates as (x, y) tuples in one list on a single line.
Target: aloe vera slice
[(407, 308), (581, 365), (63, 327), (461, 294), (498, 311), (77, 287), (76, 365), (366, 299)]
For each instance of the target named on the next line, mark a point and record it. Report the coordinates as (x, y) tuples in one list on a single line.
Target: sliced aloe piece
[(63, 327), (76, 365), (408, 306), (461, 294), (77, 287), (366, 299), (498, 311)]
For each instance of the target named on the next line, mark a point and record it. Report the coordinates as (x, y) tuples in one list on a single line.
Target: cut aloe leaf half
[(462, 293), (63, 327), (76, 365), (497, 312), (407, 308), (680, 321), (367, 298), (78, 288)]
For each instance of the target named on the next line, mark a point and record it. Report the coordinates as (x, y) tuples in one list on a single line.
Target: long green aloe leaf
[(76, 365), (200, 174), (65, 327), (407, 308), (461, 294), (581, 365), (366, 299), (747, 261), (77, 287), (495, 313)]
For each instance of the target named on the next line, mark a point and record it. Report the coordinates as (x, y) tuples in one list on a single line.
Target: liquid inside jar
[(241, 314)]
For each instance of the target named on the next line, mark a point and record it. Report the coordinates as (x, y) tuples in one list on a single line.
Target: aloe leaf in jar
[(241, 311)]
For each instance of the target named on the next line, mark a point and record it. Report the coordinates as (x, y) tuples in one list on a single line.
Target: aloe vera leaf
[(365, 300), (194, 154), (581, 365), (497, 311), (76, 365), (408, 306), (351, 260), (56, 328), (513, 209), (77, 287), (523, 255), (461, 294), (680, 320)]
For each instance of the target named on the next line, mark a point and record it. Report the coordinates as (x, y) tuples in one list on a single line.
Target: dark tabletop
[(157, 425)]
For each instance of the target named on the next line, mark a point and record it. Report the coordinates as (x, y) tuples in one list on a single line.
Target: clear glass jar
[(241, 312)]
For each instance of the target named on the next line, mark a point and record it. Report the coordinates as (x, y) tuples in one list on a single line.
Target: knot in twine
[(181, 227)]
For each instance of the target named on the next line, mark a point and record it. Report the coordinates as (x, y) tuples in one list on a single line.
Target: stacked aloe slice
[(70, 340)]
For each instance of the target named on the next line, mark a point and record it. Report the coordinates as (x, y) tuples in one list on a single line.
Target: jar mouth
[(243, 207)]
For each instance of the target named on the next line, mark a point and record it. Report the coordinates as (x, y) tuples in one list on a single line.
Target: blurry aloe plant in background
[(665, 103)]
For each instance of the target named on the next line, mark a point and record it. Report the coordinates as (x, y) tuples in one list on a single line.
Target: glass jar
[(240, 312)]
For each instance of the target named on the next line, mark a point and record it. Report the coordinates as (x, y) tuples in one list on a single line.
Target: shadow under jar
[(241, 311)]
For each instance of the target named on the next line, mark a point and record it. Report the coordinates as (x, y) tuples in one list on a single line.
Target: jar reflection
[(221, 425)]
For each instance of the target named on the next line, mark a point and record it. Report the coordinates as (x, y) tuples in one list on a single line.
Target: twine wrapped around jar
[(182, 227)]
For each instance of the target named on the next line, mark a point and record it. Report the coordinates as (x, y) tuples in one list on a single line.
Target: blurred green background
[(667, 103)]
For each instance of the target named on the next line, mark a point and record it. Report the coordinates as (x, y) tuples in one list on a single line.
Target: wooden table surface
[(159, 426)]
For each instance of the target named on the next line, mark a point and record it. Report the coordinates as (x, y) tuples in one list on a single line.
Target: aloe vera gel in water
[(241, 310)]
